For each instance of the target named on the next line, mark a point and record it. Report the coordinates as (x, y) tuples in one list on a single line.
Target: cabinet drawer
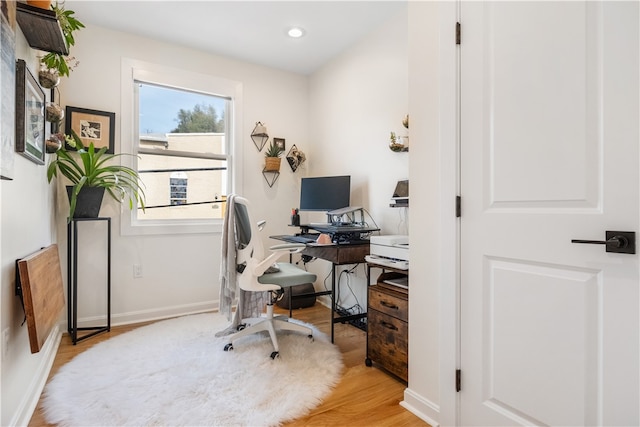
[(387, 343), (389, 302)]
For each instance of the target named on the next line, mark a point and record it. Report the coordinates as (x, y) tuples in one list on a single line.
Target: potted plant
[(56, 62), (90, 170), (272, 157)]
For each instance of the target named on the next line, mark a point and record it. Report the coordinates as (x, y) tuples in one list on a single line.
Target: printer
[(390, 251)]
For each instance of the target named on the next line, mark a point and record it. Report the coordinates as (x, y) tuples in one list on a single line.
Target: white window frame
[(134, 70)]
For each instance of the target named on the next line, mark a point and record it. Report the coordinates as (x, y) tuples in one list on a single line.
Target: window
[(182, 139), (182, 136)]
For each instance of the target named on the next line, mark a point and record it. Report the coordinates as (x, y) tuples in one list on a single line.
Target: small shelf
[(41, 28)]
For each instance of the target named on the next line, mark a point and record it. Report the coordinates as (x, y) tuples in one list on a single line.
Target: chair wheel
[(275, 355), (368, 362), (228, 347), (241, 326), (310, 336)]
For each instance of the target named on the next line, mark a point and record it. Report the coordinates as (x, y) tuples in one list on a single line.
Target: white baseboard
[(29, 402), (324, 300), (163, 313), (151, 314), (421, 407)]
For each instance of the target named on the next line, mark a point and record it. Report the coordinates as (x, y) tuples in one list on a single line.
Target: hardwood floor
[(364, 397)]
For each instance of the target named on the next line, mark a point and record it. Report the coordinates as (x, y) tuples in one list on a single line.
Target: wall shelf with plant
[(400, 143), (41, 28)]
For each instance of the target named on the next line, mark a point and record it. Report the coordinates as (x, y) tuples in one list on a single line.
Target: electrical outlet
[(137, 271), (5, 342)]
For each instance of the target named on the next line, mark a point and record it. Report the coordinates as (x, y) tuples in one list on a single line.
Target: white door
[(549, 153)]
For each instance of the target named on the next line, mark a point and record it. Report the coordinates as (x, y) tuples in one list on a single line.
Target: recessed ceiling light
[(295, 32)]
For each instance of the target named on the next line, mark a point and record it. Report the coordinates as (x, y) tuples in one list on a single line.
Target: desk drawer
[(387, 343), (389, 302)]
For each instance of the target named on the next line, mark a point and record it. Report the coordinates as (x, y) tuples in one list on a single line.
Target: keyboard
[(302, 238)]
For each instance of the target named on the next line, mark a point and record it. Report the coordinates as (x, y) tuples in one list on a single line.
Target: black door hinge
[(457, 33), (458, 206), (458, 379)]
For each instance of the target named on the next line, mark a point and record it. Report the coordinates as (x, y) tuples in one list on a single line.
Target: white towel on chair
[(250, 304)]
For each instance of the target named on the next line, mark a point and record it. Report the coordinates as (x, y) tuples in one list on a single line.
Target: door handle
[(619, 242)]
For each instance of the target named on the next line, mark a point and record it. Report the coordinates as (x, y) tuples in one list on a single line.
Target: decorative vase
[(272, 164), (54, 113), (48, 78), (53, 143), (88, 202)]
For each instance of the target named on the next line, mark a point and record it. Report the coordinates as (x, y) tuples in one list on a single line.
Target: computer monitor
[(325, 193)]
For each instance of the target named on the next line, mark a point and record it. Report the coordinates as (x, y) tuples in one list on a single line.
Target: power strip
[(358, 323)]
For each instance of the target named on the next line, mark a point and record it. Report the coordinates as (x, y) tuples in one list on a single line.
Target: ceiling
[(252, 31)]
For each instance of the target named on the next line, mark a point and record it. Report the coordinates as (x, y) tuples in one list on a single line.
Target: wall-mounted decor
[(92, 126), (295, 157), (272, 157), (400, 142), (279, 142), (7, 88), (53, 113), (30, 103), (259, 135)]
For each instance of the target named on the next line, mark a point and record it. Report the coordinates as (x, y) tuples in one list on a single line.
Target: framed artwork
[(279, 143), (7, 88), (30, 124), (92, 126)]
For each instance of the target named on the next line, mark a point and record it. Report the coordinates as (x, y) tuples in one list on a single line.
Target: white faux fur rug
[(175, 373)]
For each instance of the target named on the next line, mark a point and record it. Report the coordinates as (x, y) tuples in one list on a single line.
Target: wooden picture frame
[(30, 123), (7, 89), (279, 142), (92, 126)]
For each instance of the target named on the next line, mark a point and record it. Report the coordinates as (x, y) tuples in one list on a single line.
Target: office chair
[(251, 265)]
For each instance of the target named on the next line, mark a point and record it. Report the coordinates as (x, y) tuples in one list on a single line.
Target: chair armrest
[(290, 247), (277, 252)]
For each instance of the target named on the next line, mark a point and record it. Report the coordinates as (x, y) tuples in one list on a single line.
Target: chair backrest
[(248, 242), (249, 249)]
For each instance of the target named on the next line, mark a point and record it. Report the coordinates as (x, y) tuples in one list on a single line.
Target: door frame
[(449, 248)]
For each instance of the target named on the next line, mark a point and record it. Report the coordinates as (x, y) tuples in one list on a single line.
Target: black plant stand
[(72, 281)]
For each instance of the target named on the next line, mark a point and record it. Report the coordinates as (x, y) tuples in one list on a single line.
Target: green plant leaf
[(88, 167)]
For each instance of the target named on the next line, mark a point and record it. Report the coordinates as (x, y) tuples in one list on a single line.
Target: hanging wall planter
[(295, 157), (272, 164), (272, 155), (54, 113), (259, 135), (54, 143), (48, 78), (400, 142)]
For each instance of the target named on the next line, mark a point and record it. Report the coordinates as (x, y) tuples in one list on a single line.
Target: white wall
[(341, 117), (26, 226), (429, 203), (356, 100), (180, 272)]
